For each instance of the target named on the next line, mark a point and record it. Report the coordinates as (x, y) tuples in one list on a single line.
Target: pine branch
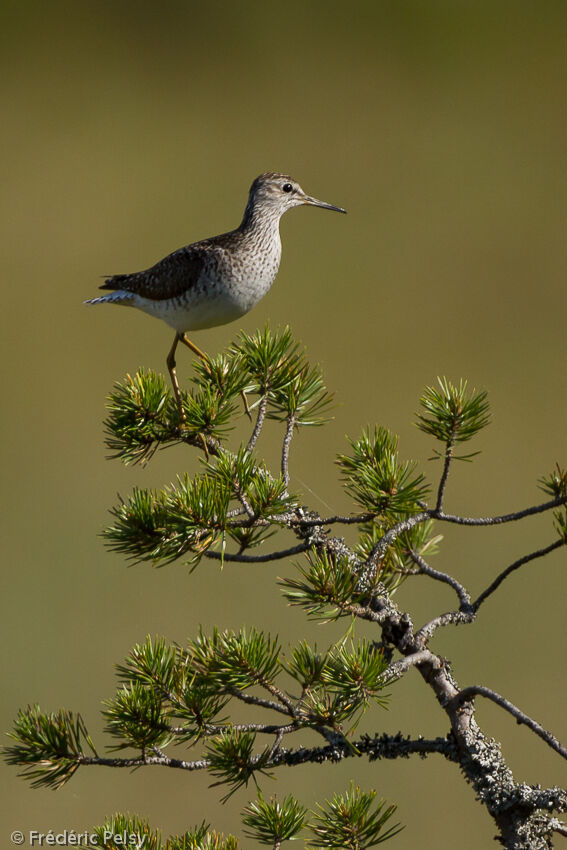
[(468, 694), (445, 474), (449, 618), (399, 668), (526, 559), (426, 570), (260, 418), (260, 728), (285, 448), (357, 519), (379, 549), (259, 559), (376, 748), (144, 761), (497, 520)]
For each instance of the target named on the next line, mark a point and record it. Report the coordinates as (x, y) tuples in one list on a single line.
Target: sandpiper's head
[(280, 192)]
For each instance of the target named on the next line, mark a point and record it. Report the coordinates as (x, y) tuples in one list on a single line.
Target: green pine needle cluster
[(376, 478), (190, 516), (137, 717), (452, 414), (350, 821), (278, 369), (140, 412), (236, 660), (306, 665), (241, 475), (271, 821), (185, 518), (143, 416), (327, 586), (231, 756), (224, 375), (356, 674), (346, 682), (48, 746), (191, 702)]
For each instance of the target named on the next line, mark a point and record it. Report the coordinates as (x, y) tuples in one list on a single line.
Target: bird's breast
[(250, 273)]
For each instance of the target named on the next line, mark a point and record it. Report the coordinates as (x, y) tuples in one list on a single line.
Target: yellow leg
[(173, 375), (184, 339)]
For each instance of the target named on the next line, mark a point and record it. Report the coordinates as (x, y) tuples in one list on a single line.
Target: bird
[(216, 280)]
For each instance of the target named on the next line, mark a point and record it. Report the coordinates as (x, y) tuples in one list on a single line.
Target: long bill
[(316, 203)]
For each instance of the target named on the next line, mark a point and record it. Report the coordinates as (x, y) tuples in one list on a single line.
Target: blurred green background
[(131, 129)]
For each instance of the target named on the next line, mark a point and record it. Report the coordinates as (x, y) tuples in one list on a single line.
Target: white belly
[(206, 313), (206, 306)]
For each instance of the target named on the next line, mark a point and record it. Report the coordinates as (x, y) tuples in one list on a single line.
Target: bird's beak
[(315, 203)]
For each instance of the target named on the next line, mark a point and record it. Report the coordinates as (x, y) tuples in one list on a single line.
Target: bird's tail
[(119, 296)]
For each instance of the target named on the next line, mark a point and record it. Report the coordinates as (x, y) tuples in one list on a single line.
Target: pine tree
[(172, 698)]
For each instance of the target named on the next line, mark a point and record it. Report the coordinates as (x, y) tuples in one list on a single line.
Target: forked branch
[(468, 694)]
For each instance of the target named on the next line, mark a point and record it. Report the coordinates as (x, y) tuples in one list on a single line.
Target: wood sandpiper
[(216, 280)]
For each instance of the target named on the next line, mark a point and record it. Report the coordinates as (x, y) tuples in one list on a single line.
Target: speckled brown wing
[(175, 274)]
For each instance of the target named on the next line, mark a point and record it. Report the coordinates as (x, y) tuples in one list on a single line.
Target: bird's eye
[(287, 187)]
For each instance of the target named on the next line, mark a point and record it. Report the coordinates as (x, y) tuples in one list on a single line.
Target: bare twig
[(445, 473), (496, 520), (260, 701), (261, 728), (259, 423), (285, 448), (425, 569), (279, 695), (143, 761), (358, 519), (434, 513), (539, 553), (275, 746), (246, 505), (248, 521), (259, 559), (379, 548), (468, 694)]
